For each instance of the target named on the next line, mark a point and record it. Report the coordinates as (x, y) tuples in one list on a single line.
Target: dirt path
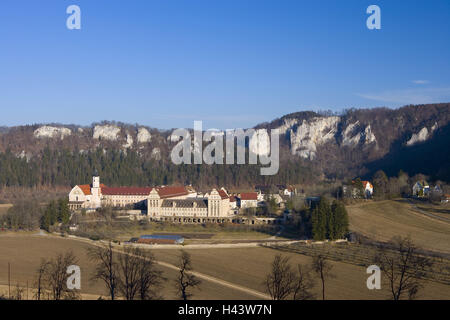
[(429, 215), (202, 276)]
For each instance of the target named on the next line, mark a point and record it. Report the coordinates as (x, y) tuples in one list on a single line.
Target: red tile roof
[(86, 188), (249, 196), (223, 194), (127, 191), (164, 192), (365, 184), (171, 191)]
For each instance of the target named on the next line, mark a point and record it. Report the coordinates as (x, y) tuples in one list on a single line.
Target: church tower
[(95, 191)]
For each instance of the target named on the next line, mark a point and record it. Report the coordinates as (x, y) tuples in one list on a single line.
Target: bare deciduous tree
[(106, 268), (303, 285), (129, 262), (185, 279), (18, 293), (403, 267), (323, 268), (40, 278), (55, 276), (132, 273), (283, 283), (280, 281), (149, 278)]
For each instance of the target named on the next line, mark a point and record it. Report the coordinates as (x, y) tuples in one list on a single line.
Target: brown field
[(245, 267), (441, 210), (249, 266), (126, 229), (24, 252), (382, 220)]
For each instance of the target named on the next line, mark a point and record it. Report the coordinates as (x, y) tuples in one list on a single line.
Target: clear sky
[(230, 63)]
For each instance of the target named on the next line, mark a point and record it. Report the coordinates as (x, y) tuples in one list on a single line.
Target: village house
[(353, 192), (368, 189), (282, 190), (289, 191), (248, 200), (420, 189)]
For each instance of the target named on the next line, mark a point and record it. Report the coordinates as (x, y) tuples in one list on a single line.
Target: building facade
[(165, 203)]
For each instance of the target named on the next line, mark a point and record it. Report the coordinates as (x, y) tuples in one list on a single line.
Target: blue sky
[(229, 63)]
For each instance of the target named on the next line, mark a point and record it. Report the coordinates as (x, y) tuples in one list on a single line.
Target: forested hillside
[(62, 167), (313, 147)]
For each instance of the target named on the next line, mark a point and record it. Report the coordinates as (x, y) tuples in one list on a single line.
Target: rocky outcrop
[(52, 132), (423, 135), (129, 143), (106, 132), (369, 136), (287, 125), (143, 135), (353, 135), (156, 154), (307, 136), (260, 142), (349, 136)]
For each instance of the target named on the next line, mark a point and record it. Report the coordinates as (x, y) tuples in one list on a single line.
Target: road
[(255, 293), (430, 215)]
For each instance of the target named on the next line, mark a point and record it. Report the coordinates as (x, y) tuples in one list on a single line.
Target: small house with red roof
[(248, 200)]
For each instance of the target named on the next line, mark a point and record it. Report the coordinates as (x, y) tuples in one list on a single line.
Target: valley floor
[(382, 220), (227, 273)]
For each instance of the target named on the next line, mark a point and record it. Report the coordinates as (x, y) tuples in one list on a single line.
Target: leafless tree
[(106, 269), (283, 283), (323, 268), (281, 279), (18, 293), (56, 276), (150, 277), (40, 278), (129, 268), (132, 273), (304, 283), (185, 279), (403, 267)]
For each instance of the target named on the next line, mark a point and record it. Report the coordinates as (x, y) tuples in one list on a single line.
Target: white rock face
[(434, 127), (156, 154), (129, 142), (173, 138), (260, 142), (24, 155), (288, 124), (352, 135), (310, 134), (107, 132), (52, 132), (369, 136), (422, 135), (143, 135), (348, 136)]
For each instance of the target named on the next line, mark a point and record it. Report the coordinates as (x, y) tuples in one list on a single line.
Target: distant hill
[(312, 146)]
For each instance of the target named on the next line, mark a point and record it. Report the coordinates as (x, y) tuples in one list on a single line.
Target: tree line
[(30, 215), (66, 168)]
